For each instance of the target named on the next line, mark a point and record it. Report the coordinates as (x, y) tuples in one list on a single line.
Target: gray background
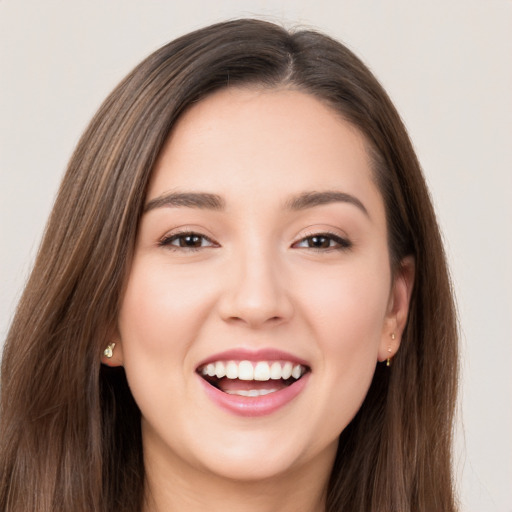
[(446, 64)]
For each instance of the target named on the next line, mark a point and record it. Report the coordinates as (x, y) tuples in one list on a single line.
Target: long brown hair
[(70, 431)]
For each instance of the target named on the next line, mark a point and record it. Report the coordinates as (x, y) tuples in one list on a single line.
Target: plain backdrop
[(446, 64)]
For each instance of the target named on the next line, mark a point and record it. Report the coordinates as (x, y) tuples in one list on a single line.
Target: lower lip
[(258, 405)]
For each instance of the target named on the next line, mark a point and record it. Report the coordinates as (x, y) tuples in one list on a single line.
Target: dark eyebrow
[(188, 200), (311, 199), (208, 201)]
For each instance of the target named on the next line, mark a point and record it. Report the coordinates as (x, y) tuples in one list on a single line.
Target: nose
[(256, 293)]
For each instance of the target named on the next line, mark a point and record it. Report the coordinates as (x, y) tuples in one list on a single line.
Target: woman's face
[(262, 252)]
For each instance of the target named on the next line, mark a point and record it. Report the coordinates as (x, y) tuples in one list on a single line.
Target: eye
[(187, 240), (323, 242)]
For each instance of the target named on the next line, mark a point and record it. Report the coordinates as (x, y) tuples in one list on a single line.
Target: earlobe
[(398, 309), (112, 355)]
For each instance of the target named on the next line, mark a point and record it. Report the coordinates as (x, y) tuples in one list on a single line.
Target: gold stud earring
[(388, 361), (109, 351), (393, 336)]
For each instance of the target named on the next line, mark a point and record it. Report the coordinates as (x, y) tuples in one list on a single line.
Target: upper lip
[(244, 354)]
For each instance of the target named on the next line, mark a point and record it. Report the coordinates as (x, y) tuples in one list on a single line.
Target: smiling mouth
[(251, 378)]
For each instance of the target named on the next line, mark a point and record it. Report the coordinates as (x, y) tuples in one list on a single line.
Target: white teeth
[(232, 370), (296, 372), (246, 370), (286, 372), (250, 392), (220, 369), (262, 371), (275, 371)]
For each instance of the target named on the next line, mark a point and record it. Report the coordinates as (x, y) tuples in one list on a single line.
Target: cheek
[(347, 306), (346, 310), (162, 310), (161, 314)]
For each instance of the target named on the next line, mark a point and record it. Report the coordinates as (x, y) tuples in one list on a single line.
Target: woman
[(245, 240)]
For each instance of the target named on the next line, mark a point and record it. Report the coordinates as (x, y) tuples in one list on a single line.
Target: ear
[(398, 309), (115, 348)]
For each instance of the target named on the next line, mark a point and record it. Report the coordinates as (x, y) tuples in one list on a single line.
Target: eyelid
[(166, 240), (343, 243)]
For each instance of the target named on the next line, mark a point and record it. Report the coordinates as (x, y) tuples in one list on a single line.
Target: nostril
[(255, 301)]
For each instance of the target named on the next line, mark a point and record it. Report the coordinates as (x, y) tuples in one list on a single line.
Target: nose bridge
[(257, 290)]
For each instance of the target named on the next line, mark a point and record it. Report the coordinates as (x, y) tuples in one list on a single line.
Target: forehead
[(265, 143)]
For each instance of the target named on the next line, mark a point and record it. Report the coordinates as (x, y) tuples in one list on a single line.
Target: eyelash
[(342, 244), (166, 241)]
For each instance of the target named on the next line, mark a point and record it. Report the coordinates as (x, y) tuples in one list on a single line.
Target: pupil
[(191, 241), (319, 241)]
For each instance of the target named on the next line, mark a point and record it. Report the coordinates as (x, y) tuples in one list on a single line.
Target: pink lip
[(242, 354), (255, 406)]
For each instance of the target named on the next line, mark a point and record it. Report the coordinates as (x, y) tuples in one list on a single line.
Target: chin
[(251, 468), (260, 458)]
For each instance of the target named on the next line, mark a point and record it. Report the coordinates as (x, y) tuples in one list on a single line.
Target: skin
[(255, 282)]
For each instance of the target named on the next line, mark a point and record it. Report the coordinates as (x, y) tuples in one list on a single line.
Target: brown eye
[(319, 242), (189, 241), (192, 241), (323, 242)]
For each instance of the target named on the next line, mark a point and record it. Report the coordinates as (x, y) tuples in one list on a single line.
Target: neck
[(242, 497)]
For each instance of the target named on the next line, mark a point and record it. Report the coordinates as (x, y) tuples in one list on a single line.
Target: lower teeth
[(250, 392)]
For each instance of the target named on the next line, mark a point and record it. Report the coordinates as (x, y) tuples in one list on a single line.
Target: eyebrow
[(312, 199), (200, 200), (206, 201)]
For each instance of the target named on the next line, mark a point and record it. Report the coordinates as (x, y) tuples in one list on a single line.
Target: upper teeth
[(248, 370)]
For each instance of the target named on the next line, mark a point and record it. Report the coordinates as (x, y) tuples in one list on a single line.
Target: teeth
[(296, 372), (232, 370), (245, 370), (220, 369), (262, 371), (259, 371), (275, 371), (286, 372), (250, 392)]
